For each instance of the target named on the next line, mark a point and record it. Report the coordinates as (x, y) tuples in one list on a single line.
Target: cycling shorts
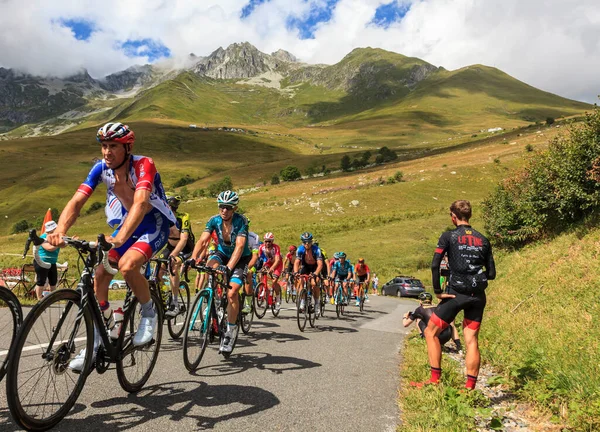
[(148, 238), (342, 278), (308, 269), (472, 304), (362, 278), (238, 275), (277, 271), (42, 274), (185, 254), (444, 336)]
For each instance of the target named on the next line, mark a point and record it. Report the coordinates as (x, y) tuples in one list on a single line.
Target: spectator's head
[(461, 210), (50, 226)]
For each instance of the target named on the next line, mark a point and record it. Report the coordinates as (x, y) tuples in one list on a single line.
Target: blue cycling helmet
[(306, 237), (228, 198), (336, 256), (342, 254)]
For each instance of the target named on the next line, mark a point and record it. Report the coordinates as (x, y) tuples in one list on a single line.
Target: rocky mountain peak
[(284, 56)]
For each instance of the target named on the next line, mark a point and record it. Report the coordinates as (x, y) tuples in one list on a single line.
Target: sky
[(553, 45)]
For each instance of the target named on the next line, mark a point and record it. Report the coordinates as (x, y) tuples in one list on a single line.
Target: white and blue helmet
[(228, 198)]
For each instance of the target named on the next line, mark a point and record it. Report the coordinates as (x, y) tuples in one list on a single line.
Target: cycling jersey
[(342, 269), (253, 241), (361, 270), (290, 259), (268, 256), (301, 254), (142, 175), (184, 226), (239, 228), (468, 253)]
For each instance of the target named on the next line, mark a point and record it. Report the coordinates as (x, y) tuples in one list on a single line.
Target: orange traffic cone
[(47, 218)]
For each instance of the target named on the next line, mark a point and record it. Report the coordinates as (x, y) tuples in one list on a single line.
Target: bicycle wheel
[(197, 329), (323, 300), (312, 316), (176, 324), (302, 314), (288, 291), (261, 302), (11, 318), (136, 363), (362, 302), (246, 318), (41, 389), (274, 309)]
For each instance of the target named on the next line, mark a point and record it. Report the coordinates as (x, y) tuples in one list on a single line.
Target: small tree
[(198, 193), (365, 157), (345, 164), (275, 179), (20, 227), (290, 173), (549, 120), (185, 193), (379, 159), (399, 176)]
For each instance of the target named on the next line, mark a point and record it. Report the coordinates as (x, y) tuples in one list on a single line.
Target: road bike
[(208, 317), (341, 299), (11, 318), (175, 324), (41, 388), (264, 297), (306, 313), (290, 289)]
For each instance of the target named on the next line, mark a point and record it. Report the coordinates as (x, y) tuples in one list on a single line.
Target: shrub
[(275, 179), (379, 159), (290, 173), (20, 227), (185, 193), (529, 147), (558, 187), (365, 157), (399, 176), (198, 193), (384, 154), (94, 207), (549, 120), (345, 164), (496, 160), (183, 181), (214, 189), (391, 180)]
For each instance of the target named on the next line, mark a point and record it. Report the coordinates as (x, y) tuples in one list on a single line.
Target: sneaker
[(317, 309), (277, 306), (173, 310), (145, 331), (76, 365), (357, 303), (226, 343), (302, 305)]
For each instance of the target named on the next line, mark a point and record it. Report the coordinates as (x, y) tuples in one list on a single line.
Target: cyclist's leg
[(41, 275), (471, 324)]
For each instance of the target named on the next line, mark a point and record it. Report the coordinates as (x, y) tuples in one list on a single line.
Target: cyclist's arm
[(490, 266), (240, 243), (276, 262), (253, 259), (180, 244), (68, 217), (407, 320), (440, 250), (296, 265), (201, 245), (141, 205), (285, 262)]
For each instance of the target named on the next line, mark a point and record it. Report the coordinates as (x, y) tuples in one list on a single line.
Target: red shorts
[(277, 272)]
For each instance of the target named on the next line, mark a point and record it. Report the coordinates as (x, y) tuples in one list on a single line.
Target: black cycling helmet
[(174, 201), (425, 297), (306, 237)]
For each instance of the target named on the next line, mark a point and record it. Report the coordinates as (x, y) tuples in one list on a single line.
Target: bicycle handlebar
[(166, 261), (203, 268)]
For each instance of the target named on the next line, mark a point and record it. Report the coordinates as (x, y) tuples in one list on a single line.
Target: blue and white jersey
[(239, 228)]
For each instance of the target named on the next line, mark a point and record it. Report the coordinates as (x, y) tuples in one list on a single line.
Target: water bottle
[(118, 316)]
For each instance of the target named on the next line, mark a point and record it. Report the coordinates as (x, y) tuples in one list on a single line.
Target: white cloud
[(551, 44)]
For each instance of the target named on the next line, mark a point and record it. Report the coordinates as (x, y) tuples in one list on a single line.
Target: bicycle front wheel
[(197, 329), (40, 387), (246, 318), (176, 324), (136, 363), (11, 318), (301, 312), (261, 302)]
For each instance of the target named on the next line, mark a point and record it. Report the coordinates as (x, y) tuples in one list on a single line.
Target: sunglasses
[(225, 207)]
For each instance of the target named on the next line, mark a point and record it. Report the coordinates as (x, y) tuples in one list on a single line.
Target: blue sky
[(307, 25), (82, 29), (145, 48), (389, 13)]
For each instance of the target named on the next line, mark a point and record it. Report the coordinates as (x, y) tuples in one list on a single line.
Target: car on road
[(118, 284), (403, 286)]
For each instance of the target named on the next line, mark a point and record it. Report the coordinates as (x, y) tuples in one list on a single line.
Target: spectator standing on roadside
[(375, 283), (471, 265), (46, 271)]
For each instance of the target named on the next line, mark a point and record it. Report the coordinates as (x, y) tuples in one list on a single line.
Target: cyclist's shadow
[(181, 401)]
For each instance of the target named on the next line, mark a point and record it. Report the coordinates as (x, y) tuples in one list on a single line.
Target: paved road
[(341, 376)]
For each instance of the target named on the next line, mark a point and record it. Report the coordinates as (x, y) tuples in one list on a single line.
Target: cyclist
[(341, 272), (253, 244), (143, 230), (270, 255), (288, 263), (178, 249), (325, 270), (468, 253), (363, 276), (232, 255), (422, 315), (332, 261), (308, 261)]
